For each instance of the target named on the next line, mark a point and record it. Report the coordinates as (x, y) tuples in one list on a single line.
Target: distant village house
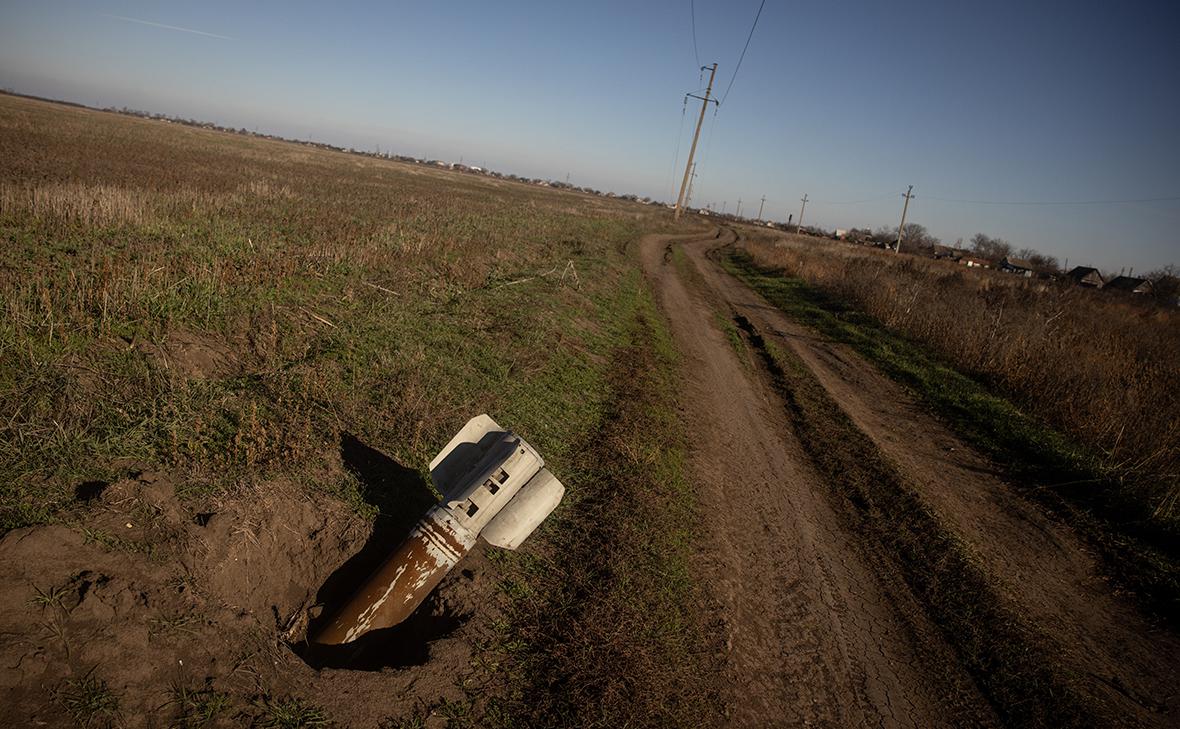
[(1129, 285), (947, 253), (1085, 276), (1017, 266)]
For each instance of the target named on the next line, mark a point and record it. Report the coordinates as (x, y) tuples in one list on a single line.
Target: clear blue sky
[(845, 101)]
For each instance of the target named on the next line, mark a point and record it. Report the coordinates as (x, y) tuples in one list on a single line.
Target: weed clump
[(290, 713), (88, 701), (196, 709)]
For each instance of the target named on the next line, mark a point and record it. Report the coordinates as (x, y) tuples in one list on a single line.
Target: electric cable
[(876, 198), (743, 56), (676, 158), (1053, 202), (692, 7)]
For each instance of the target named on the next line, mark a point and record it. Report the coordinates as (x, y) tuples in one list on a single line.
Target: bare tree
[(1038, 260), (916, 236), (990, 248), (885, 235), (1165, 283)]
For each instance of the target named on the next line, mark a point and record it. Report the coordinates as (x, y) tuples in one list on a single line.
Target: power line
[(740, 58), (692, 7), (888, 195), (1055, 202), (676, 158), (708, 147), (876, 198)]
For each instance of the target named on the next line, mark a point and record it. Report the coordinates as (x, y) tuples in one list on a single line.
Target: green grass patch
[(289, 713), (733, 336), (199, 708), (228, 324)]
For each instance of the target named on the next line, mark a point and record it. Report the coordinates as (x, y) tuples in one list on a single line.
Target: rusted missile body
[(494, 484), (403, 580)]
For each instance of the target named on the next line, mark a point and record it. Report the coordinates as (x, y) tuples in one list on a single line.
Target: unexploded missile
[(494, 485)]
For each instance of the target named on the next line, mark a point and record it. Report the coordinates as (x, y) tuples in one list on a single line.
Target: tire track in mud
[(1109, 665), (818, 631)]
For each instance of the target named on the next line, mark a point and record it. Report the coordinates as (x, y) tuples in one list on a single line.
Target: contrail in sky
[(168, 27)]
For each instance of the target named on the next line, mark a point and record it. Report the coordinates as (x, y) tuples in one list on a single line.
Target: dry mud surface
[(151, 597), (816, 634)]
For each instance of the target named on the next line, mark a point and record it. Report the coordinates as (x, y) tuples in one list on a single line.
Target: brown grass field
[(225, 362)]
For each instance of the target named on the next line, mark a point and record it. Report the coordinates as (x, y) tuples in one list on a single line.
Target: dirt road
[(820, 629), (814, 637)]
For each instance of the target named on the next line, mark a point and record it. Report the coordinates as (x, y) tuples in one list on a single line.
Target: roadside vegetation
[(1101, 370), (228, 310), (996, 361), (610, 617)]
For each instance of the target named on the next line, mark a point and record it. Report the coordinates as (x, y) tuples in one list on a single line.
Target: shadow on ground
[(401, 497)]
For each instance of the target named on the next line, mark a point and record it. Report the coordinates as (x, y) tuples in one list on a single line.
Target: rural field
[(808, 484)]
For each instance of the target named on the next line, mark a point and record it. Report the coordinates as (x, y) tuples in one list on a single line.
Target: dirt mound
[(148, 604), (191, 355)]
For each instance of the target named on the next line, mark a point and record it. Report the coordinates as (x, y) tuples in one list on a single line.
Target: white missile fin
[(452, 461), (535, 501)]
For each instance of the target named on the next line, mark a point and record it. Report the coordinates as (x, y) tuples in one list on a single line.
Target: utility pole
[(901, 228), (739, 210), (723, 206), (689, 168), (801, 209), (760, 205)]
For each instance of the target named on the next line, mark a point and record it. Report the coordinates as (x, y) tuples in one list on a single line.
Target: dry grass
[(224, 305), (1102, 370)]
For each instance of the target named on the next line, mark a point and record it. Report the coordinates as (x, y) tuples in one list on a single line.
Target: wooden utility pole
[(904, 208), (688, 167), (738, 214), (692, 179), (760, 206), (801, 209)]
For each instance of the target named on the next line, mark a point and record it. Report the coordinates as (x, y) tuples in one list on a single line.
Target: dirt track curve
[(818, 633)]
